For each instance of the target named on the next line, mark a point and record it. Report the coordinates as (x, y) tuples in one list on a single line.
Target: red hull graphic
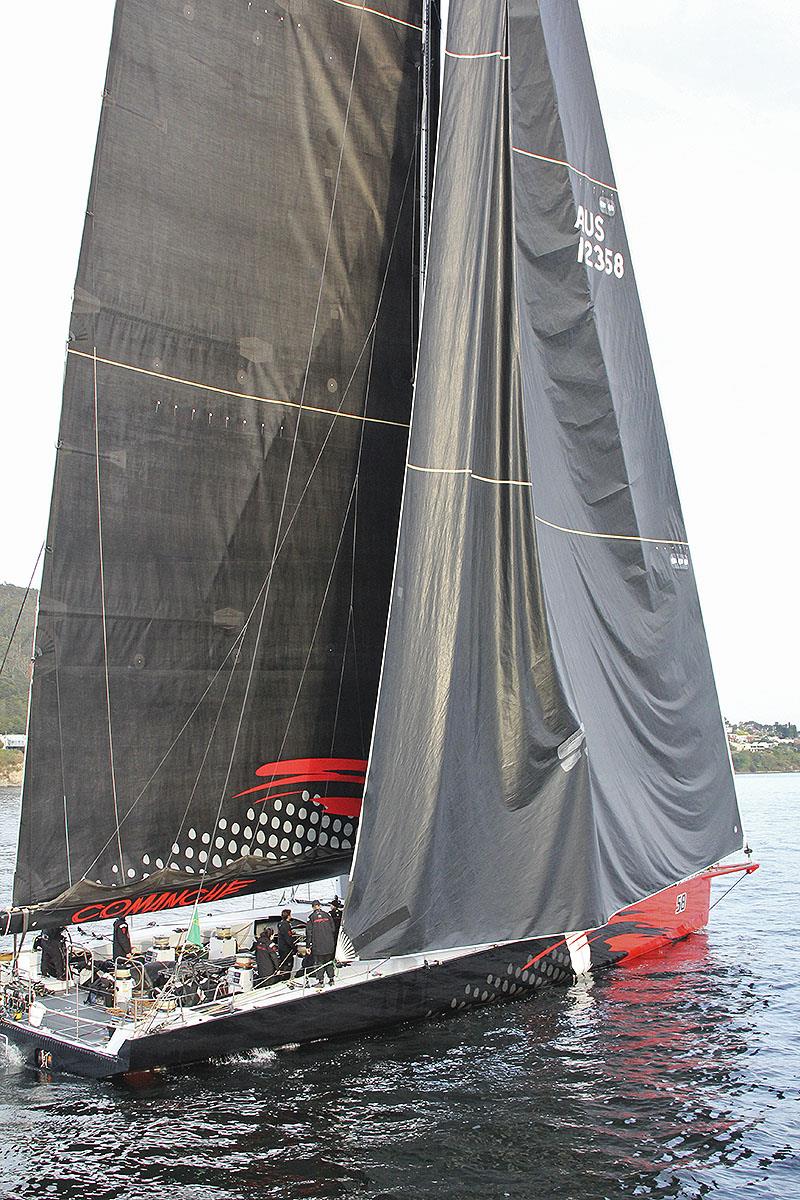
[(668, 916), (665, 917)]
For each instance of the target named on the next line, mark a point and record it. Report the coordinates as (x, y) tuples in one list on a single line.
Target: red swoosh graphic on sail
[(313, 770), (290, 766)]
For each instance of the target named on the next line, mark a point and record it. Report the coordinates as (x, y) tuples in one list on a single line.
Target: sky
[(702, 110)]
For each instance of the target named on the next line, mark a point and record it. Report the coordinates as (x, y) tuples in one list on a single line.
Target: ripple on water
[(674, 1078)]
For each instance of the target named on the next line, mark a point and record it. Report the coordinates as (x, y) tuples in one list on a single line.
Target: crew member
[(287, 943), (337, 908), (122, 939), (267, 961), (321, 940), (53, 945)]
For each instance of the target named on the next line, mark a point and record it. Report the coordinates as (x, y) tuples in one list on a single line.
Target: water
[(675, 1078)]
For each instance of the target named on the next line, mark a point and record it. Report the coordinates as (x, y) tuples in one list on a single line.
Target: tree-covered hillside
[(778, 759), (15, 678)]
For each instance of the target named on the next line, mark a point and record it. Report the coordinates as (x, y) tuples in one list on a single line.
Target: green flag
[(194, 936)]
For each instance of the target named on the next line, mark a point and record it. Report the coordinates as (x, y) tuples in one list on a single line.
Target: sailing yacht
[(365, 553)]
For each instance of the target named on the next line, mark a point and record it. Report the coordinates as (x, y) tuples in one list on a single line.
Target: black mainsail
[(548, 746), (230, 456)]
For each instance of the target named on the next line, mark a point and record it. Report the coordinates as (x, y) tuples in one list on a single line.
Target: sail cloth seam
[(237, 646), (276, 546), (103, 614), (560, 162), (479, 54), (616, 537), (234, 648), (205, 387), (471, 473), (376, 12), (369, 337)]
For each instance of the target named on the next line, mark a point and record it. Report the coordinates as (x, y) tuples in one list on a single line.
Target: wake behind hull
[(392, 997)]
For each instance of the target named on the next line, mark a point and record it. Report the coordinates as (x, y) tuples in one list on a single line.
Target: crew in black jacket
[(122, 939), (267, 961), (337, 908), (53, 945), (287, 943), (321, 941)]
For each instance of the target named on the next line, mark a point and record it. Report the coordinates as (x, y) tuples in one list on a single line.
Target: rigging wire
[(234, 648), (21, 607), (331, 574), (729, 890), (369, 336), (237, 645), (207, 750), (278, 543), (103, 611), (350, 630), (350, 611)]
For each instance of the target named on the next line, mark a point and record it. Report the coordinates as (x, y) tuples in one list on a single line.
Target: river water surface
[(677, 1077)]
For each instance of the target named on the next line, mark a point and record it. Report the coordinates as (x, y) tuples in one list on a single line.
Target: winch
[(241, 974), (222, 944), (123, 987), (163, 951)]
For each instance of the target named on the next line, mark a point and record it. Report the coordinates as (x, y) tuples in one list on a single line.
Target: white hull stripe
[(560, 162)]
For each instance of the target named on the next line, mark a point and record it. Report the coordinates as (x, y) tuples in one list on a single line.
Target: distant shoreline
[(11, 773), (11, 764)]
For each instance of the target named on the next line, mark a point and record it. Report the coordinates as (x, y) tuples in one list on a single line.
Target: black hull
[(380, 1001), (395, 997), (45, 1052)]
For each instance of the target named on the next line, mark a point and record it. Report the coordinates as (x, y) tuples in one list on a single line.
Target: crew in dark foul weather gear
[(321, 940), (267, 961), (337, 908), (53, 945), (122, 939), (287, 943)]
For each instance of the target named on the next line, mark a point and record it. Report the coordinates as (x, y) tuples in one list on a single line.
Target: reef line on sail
[(207, 387)]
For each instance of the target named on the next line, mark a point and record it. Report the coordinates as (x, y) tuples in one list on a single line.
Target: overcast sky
[(702, 109)]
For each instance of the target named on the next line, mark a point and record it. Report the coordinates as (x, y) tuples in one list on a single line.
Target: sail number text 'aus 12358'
[(590, 249)]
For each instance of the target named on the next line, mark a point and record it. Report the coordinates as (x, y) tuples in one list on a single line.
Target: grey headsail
[(230, 457), (548, 746)]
